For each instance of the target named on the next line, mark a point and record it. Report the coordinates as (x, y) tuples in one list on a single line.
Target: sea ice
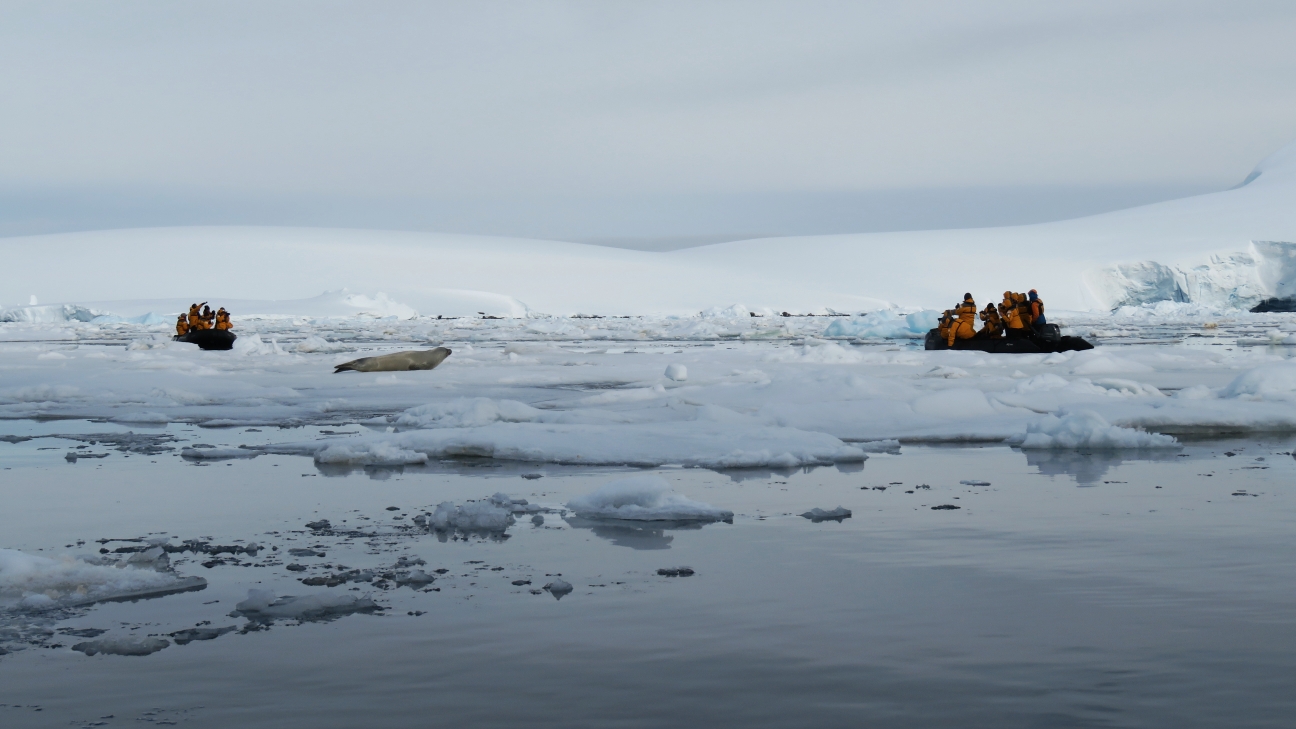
[(474, 516), (263, 605), (643, 498), (1087, 429), (818, 515), (126, 646), (558, 588), (35, 582)]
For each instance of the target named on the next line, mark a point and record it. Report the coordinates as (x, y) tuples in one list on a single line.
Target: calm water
[(1070, 592)]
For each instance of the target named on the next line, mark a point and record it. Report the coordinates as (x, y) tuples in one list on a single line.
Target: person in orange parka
[(223, 323), (965, 326), (196, 321), (182, 326), (993, 328), (1011, 314)]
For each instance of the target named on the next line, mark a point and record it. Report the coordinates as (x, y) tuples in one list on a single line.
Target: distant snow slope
[(1226, 248)]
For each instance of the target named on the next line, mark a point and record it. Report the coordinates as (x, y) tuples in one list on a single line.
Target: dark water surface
[(1070, 592)]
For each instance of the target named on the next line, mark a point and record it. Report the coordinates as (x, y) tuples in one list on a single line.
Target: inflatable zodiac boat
[(209, 338), (1046, 340)]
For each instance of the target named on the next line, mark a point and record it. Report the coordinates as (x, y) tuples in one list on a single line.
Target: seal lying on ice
[(424, 359)]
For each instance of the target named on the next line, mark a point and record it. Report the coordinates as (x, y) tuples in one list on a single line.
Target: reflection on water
[(633, 534), (1089, 467)]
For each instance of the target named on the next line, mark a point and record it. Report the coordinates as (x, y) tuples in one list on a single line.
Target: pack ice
[(687, 377)]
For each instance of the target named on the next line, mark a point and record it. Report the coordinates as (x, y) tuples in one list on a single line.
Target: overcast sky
[(629, 119)]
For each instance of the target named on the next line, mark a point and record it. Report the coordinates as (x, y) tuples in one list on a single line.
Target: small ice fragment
[(296, 568), (538, 520), (128, 646), (320, 525), (676, 372), (945, 507), (415, 579), (973, 482), (558, 588), (532, 476), (188, 635), (519, 583), (675, 571), (305, 553), (817, 515), (263, 605)]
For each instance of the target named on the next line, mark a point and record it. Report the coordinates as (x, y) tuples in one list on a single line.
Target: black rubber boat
[(209, 338), (1046, 340)]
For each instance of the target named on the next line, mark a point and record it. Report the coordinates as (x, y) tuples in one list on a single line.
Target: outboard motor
[(1050, 333)]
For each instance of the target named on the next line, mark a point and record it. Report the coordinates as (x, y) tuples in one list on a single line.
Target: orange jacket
[(993, 324), (965, 326), (1010, 313)]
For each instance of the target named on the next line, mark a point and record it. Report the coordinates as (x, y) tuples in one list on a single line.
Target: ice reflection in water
[(633, 534), (1089, 467)]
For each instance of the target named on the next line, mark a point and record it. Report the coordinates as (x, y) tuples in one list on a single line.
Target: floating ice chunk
[(558, 588), (817, 515), (414, 579), (474, 516), (154, 558), (126, 646), (1271, 382), (188, 635), (676, 372), (973, 482), (35, 582), (885, 324), (643, 498), (1087, 429), (370, 453), (263, 604)]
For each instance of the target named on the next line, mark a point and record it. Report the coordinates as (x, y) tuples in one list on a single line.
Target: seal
[(422, 359)]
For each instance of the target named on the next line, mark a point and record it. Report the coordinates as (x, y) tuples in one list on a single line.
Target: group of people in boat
[(199, 319), (1018, 316)]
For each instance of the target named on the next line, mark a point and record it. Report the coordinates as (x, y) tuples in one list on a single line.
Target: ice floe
[(265, 605), (643, 498), (1087, 429), (123, 646), (34, 582)]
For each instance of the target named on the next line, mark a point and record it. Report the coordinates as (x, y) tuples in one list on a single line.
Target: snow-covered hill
[(1228, 248)]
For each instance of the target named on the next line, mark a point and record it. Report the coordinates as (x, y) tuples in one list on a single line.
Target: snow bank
[(643, 498), (1087, 429), (32, 581)]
